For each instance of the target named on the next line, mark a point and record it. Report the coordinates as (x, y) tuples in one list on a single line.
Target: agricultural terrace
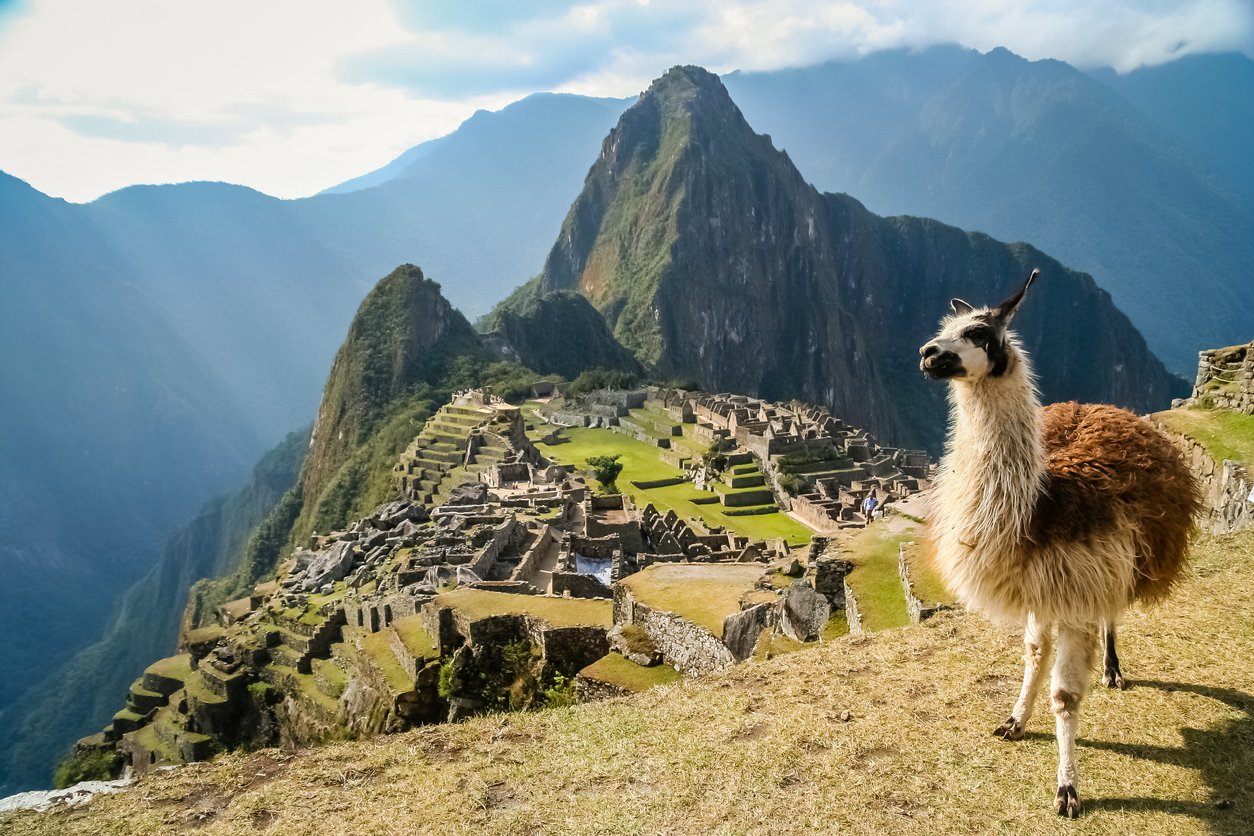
[(616, 670), (875, 581), (558, 612), (703, 593), (1223, 433)]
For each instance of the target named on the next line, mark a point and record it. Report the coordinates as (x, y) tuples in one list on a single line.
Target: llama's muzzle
[(939, 364)]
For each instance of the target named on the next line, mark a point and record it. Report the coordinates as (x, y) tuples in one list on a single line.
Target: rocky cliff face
[(711, 257)]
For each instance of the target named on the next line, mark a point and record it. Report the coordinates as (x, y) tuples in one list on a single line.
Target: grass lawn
[(836, 626), (195, 687), (703, 593), (1225, 434), (378, 647), (173, 667), (615, 669), (874, 579), (558, 612), (415, 637), (927, 583), (641, 464)]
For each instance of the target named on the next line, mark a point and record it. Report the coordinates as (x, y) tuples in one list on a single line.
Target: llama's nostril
[(929, 350)]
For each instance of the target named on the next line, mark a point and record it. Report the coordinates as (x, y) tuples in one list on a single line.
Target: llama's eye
[(979, 334)]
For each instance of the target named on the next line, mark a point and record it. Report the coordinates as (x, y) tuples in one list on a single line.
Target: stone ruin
[(354, 633), (1225, 379), (837, 465)]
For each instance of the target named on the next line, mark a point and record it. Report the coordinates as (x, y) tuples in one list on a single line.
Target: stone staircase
[(300, 641), (440, 448)]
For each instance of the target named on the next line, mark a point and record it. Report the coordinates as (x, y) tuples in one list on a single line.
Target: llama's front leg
[(1037, 648), (1112, 676), (1076, 646)]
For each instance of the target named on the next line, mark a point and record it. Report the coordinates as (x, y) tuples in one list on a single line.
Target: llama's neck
[(993, 470)]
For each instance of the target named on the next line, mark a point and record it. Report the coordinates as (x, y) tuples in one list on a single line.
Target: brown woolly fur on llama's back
[(1106, 468)]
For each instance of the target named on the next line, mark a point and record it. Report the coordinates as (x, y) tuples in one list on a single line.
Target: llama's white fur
[(985, 494)]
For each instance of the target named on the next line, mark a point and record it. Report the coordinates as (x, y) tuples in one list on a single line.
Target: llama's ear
[(960, 307), (1007, 310)]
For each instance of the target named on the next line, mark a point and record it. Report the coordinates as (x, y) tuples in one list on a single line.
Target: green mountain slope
[(557, 334)]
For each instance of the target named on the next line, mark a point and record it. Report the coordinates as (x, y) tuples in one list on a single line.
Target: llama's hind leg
[(1037, 648), (1112, 676), (1076, 646)]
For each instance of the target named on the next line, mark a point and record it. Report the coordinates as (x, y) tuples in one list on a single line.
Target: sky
[(293, 96)]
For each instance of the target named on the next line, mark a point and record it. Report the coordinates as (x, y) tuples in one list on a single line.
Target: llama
[(1057, 518)]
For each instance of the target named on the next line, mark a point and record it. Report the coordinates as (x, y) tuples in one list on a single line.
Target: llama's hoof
[(1011, 729), (1067, 802), (1114, 679)]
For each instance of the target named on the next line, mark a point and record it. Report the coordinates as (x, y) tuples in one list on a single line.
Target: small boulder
[(634, 644), (742, 630), (469, 493), (329, 567), (804, 613)]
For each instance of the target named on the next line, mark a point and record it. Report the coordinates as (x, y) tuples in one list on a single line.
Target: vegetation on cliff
[(557, 334), (1224, 434)]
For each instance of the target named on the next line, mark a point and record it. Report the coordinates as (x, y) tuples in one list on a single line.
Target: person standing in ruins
[(868, 506)]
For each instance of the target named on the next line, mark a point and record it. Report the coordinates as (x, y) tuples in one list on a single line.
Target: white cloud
[(98, 96), (289, 96)]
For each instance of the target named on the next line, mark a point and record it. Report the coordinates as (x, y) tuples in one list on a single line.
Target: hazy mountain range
[(156, 341)]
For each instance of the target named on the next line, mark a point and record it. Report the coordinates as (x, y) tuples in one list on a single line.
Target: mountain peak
[(686, 79)]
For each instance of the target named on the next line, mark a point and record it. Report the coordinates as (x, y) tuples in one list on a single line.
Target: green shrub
[(561, 693), (87, 765), (594, 379), (606, 470), (791, 484)]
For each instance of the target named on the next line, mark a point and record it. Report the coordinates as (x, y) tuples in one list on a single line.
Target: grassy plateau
[(1223, 433)]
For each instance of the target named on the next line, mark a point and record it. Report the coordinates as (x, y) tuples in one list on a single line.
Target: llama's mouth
[(942, 366)]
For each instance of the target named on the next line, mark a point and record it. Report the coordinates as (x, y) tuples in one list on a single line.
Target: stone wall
[(590, 689), (526, 569), (568, 650), (692, 650), (916, 608), (852, 615), (1225, 488), (579, 586), (484, 561), (813, 511), (1225, 378)]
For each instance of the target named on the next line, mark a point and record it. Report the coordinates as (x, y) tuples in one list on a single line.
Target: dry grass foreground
[(762, 749)]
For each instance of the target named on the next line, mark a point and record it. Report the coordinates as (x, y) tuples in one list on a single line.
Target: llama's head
[(974, 343)]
